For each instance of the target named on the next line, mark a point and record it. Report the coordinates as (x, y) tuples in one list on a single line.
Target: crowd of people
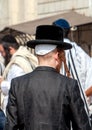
[(50, 89)]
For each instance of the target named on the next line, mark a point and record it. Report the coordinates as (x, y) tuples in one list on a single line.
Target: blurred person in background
[(79, 63), (2, 115), (2, 65), (18, 61)]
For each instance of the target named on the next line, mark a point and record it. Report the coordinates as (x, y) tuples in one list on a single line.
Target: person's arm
[(11, 109), (14, 71), (80, 119), (5, 86)]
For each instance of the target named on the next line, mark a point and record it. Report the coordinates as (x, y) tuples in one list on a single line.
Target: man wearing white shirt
[(18, 61)]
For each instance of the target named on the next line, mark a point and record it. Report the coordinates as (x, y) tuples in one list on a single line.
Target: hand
[(1, 79)]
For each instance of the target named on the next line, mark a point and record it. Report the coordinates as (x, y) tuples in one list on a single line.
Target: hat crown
[(48, 32), (62, 23)]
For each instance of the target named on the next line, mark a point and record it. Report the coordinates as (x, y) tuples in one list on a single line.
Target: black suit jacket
[(45, 100)]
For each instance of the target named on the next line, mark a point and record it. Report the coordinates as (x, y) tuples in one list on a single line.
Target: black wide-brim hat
[(49, 34)]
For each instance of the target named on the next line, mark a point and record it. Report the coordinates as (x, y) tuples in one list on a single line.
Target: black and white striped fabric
[(76, 61)]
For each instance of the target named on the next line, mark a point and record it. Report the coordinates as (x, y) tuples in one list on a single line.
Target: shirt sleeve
[(5, 85), (14, 71)]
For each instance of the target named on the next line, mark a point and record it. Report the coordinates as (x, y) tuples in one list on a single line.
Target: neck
[(51, 59), (45, 63)]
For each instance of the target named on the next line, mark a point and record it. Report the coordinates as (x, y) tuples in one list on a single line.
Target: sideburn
[(7, 57)]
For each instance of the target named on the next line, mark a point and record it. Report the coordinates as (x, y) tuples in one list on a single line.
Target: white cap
[(43, 49)]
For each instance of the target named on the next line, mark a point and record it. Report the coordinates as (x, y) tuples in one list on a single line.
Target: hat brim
[(61, 44)]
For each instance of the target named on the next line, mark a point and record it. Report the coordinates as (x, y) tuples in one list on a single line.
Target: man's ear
[(56, 56), (11, 50)]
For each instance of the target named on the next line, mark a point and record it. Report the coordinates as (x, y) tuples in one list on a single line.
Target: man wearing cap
[(79, 63), (46, 99), (80, 58)]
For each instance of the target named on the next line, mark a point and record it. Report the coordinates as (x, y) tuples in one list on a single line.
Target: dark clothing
[(2, 120), (45, 100)]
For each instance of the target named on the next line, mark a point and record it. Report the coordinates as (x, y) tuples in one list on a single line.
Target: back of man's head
[(10, 41), (9, 38)]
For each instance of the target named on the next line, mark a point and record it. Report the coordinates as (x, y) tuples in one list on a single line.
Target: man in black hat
[(44, 99)]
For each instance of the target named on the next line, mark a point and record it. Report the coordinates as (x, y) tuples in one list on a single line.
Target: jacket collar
[(47, 68)]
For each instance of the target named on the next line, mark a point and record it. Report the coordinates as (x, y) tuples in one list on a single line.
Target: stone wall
[(18, 11)]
